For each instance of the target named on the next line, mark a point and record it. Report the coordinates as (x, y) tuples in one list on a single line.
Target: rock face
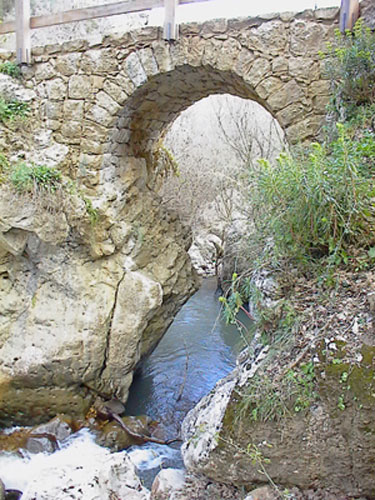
[(330, 445), (367, 12), (82, 301), (68, 317)]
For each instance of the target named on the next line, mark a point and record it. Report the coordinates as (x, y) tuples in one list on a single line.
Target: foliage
[(318, 203), (91, 211), (10, 109), (272, 400), (10, 68), (350, 65), (165, 162), (4, 165), (30, 177)]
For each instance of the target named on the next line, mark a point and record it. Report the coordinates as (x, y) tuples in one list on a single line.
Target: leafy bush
[(318, 203), (11, 109), (11, 69), (350, 65), (26, 177)]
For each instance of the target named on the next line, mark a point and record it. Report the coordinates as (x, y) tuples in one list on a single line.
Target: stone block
[(44, 71), (71, 129), (92, 147), (99, 115), (115, 91), (259, 70), (268, 86), (280, 65), (79, 87), (230, 51), (94, 131), (52, 110), (56, 89), (148, 61), (67, 64), (73, 109), (303, 69), (162, 56), (290, 93), (106, 102), (244, 62), (125, 83), (134, 70), (195, 51)]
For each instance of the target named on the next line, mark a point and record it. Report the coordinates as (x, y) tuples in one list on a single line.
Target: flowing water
[(197, 350)]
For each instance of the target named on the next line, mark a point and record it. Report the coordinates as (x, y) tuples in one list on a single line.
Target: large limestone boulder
[(82, 303)]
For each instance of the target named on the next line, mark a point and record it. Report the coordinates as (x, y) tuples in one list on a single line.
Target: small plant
[(31, 177), (11, 69), (267, 400), (91, 211), (11, 109), (341, 403)]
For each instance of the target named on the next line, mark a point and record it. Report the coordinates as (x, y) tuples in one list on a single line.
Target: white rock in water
[(113, 478)]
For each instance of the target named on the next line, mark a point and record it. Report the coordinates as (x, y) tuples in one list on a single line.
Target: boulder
[(88, 319), (329, 443), (167, 483), (205, 253), (116, 438), (263, 493), (45, 438)]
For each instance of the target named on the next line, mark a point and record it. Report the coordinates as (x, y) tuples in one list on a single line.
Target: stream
[(197, 350)]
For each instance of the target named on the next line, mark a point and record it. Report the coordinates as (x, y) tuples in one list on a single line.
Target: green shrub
[(11, 109), (350, 65), (320, 202), (28, 178), (11, 69)]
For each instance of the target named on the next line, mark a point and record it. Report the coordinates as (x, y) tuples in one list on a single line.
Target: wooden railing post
[(23, 32), (349, 13), (170, 26)]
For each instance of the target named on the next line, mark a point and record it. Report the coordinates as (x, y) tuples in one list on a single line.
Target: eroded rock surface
[(82, 301)]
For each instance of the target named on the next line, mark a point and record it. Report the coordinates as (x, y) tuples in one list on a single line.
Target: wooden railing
[(349, 13), (24, 23)]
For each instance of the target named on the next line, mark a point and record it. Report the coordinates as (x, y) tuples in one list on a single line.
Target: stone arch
[(164, 79), (127, 89)]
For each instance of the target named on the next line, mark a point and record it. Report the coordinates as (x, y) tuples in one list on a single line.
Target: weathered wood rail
[(24, 23)]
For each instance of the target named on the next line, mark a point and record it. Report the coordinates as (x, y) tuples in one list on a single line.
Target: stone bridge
[(116, 98), (82, 303)]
